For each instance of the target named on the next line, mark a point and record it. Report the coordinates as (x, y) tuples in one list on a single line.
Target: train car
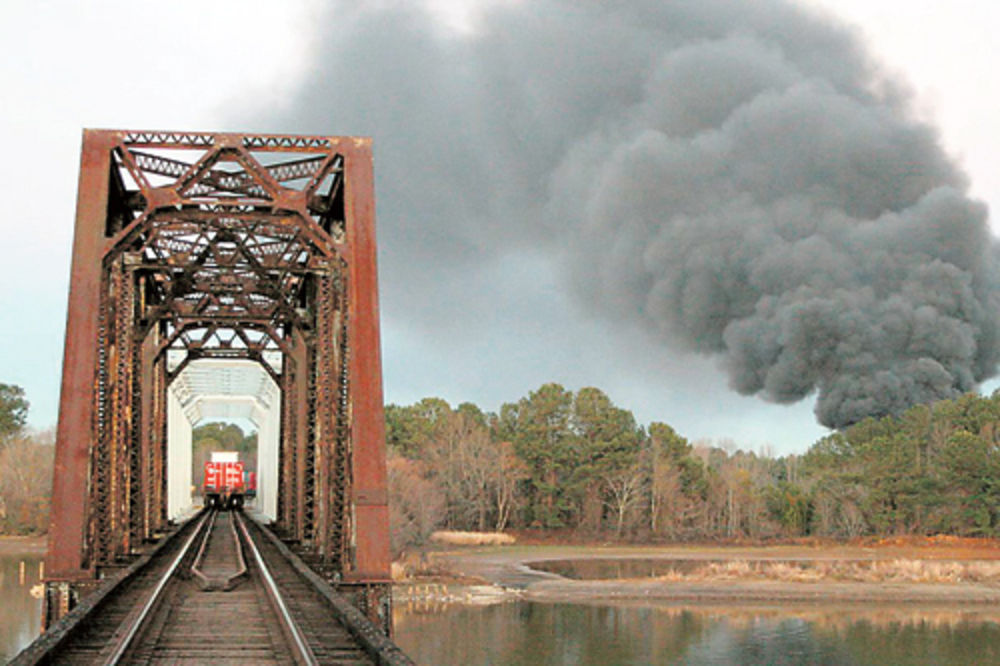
[(250, 482), (225, 481)]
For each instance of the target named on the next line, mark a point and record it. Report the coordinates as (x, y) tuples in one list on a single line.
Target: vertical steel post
[(369, 492), (75, 435), (368, 578), (286, 450), (159, 437), (148, 437), (301, 442)]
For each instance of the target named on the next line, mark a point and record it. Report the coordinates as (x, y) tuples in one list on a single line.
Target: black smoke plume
[(738, 177)]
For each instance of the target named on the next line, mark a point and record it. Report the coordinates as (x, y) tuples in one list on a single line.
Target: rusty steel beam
[(75, 435), (369, 489), (301, 443), (158, 503)]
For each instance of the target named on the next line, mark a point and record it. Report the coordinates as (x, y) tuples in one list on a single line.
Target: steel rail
[(195, 568), (154, 599), (241, 569), (240, 555), (304, 654)]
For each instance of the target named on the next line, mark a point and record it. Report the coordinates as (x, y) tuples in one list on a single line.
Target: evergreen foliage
[(13, 410), (577, 461)]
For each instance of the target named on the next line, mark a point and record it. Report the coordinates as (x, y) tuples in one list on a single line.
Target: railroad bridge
[(231, 275)]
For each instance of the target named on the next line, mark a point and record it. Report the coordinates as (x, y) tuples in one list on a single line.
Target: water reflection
[(619, 567), (20, 603), (533, 633)]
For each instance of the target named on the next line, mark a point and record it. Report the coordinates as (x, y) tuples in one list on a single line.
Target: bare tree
[(416, 505), (508, 473), (461, 459), (668, 506), (624, 488), (26, 483), (480, 476)]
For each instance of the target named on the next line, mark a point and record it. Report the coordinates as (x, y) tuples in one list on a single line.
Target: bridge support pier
[(372, 599)]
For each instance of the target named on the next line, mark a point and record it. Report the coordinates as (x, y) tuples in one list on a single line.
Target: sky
[(485, 313)]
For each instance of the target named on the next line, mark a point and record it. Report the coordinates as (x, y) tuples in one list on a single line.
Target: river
[(525, 633), (20, 602)]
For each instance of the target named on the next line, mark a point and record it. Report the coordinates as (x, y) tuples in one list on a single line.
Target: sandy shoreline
[(756, 591), (508, 568)]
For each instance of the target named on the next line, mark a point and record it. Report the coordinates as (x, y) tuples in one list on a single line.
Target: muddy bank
[(510, 568), (575, 591)]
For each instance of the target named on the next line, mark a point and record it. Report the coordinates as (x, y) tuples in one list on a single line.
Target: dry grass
[(419, 567), (877, 571), (398, 571), (473, 538)]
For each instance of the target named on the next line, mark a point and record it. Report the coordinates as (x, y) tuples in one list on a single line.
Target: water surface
[(20, 610), (526, 633)]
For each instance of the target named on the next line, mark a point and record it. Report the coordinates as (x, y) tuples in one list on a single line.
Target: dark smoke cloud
[(737, 177)]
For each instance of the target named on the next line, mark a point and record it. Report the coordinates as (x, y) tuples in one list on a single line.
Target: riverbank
[(918, 571), (759, 591)]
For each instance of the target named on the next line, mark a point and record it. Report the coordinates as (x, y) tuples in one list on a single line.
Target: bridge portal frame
[(129, 310)]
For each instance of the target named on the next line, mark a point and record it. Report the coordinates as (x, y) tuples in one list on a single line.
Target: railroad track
[(220, 592)]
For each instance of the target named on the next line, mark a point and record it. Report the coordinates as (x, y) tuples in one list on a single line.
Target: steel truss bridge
[(194, 248)]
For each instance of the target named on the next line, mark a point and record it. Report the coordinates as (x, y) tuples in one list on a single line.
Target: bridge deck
[(222, 614)]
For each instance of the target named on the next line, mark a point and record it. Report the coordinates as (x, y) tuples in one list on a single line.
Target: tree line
[(562, 461), (574, 462)]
